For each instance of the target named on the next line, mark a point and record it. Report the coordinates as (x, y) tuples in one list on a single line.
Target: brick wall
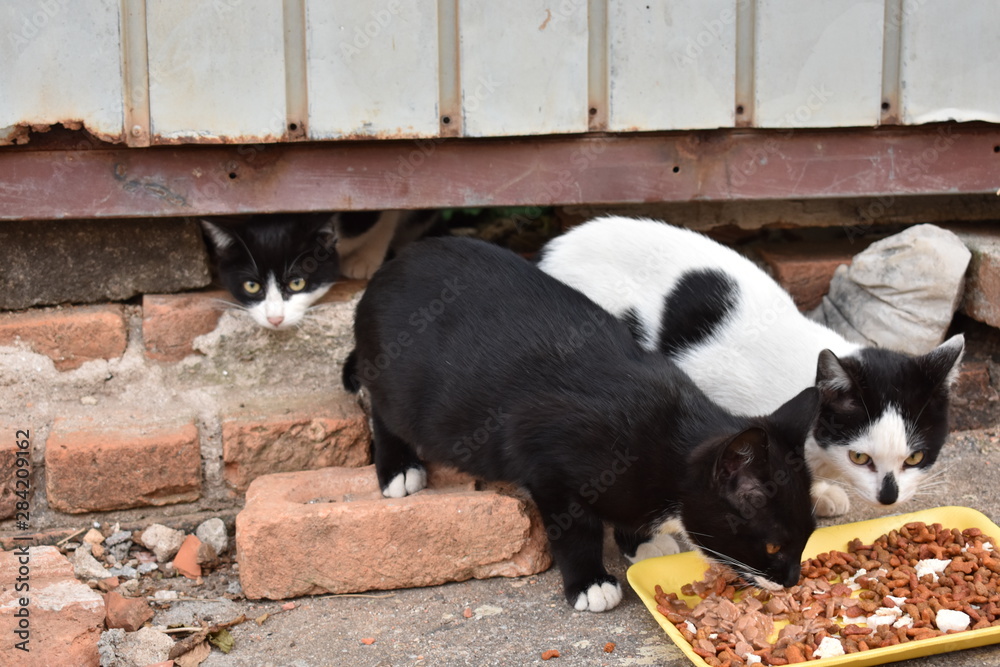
[(128, 410)]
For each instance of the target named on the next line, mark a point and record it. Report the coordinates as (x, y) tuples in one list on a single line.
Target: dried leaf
[(263, 617), (222, 640), (194, 657)]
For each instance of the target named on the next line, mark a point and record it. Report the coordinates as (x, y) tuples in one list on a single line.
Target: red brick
[(300, 434), (331, 531), (8, 476), (129, 462), (66, 616), (171, 322), (805, 269), (69, 336), (982, 279), (973, 398), (129, 614)]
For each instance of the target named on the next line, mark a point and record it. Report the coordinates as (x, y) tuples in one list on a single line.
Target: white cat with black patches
[(278, 266), (737, 333)]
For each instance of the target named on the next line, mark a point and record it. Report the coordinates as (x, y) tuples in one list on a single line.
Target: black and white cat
[(474, 357), (737, 333), (278, 266)]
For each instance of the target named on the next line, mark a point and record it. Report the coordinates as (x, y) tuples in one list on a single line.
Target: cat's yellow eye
[(251, 287), (914, 458), (859, 458), (297, 284), (772, 548)]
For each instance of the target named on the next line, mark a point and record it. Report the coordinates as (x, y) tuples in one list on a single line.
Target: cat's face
[(757, 517), (884, 417), (276, 267)]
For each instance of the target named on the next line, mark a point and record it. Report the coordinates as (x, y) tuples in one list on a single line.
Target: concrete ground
[(513, 621)]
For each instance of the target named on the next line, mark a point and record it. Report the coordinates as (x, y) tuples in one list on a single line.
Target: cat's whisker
[(737, 565), (225, 304)]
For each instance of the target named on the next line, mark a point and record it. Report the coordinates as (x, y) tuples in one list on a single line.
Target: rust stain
[(21, 133), (548, 17)]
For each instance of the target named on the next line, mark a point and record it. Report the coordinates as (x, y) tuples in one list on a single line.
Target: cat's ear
[(795, 419), (943, 363), (324, 229), (221, 238), (744, 455), (831, 375), (837, 388)]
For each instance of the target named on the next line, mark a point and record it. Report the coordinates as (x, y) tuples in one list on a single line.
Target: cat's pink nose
[(276, 320)]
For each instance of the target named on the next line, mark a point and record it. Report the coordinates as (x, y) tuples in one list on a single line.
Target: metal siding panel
[(672, 64), (372, 72), (818, 63), (523, 67), (950, 60), (216, 70), (61, 64)]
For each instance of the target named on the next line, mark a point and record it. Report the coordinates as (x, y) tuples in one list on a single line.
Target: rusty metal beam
[(723, 165)]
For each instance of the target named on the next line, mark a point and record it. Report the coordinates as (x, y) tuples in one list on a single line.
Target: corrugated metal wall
[(181, 71)]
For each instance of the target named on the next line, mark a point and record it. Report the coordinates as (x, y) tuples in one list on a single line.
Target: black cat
[(474, 357), (278, 266)]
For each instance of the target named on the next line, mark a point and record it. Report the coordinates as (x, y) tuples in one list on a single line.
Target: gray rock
[(108, 647), (900, 293), (146, 567), (163, 541), (120, 550), (234, 587), (118, 538), (147, 646), (190, 612), (128, 588), (109, 260), (85, 566), (213, 533), (126, 572)]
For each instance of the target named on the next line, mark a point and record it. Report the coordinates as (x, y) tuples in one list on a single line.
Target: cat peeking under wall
[(278, 266)]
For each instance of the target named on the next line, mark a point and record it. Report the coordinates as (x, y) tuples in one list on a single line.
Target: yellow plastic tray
[(672, 572)]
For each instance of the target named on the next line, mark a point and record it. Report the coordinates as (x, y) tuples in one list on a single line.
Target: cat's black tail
[(349, 376)]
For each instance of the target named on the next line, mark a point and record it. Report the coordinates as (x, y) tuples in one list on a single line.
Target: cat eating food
[(472, 356), (278, 266), (883, 414)]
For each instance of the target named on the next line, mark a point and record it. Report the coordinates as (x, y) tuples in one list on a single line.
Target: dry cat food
[(917, 582)]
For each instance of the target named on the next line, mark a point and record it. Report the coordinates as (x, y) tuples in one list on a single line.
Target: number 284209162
[(22, 475)]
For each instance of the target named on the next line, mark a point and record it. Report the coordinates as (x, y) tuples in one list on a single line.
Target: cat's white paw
[(662, 544), (406, 483), (599, 597), (829, 499)]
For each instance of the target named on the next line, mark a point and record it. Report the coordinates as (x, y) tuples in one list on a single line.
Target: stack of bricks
[(116, 458)]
